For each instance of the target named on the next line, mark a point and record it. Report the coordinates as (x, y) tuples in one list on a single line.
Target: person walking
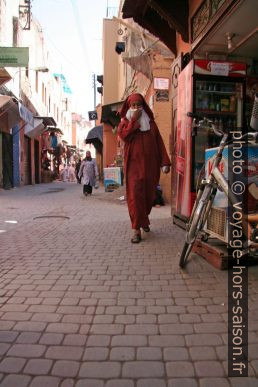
[(88, 173), (71, 173), (144, 155), (77, 168)]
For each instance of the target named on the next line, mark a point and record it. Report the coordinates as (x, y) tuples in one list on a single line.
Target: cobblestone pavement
[(81, 306)]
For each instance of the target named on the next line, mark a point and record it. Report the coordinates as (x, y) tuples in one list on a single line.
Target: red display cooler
[(212, 89)]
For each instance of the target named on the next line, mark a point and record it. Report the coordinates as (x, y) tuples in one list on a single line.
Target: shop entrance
[(36, 161), (27, 161), (7, 160)]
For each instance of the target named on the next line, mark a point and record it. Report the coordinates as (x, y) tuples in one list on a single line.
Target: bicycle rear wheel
[(197, 222)]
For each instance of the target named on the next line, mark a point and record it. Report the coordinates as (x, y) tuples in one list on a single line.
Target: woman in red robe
[(144, 155)]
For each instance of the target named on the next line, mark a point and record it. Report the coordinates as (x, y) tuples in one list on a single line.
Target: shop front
[(9, 117)]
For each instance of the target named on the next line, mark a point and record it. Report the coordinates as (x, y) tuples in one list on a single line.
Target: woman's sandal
[(146, 229), (136, 238)]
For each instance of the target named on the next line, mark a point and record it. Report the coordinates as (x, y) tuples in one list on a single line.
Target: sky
[(73, 34)]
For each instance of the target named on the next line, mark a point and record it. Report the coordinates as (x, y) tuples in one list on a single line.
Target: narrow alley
[(81, 306)]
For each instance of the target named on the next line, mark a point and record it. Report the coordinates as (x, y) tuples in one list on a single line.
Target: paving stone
[(179, 369), (103, 319), (243, 382), (151, 382), (122, 354), (143, 369), (166, 340), (102, 370), (64, 352), (253, 351), (45, 381), (38, 366), (62, 328), (125, 319), (75, 339), (68, 383), (30, 326), (175, 329), (183, 382), (119, 383), (51, 338), (107, 329), (4, 347), (98, 341), (90, 383), (149, 353), (206, 353), (97, 353), (64, 368), (46, 317), (12, 365), (8, 336), (138, 329), (28, 338), (16, 380), (175, 353), (203, 338), (218, 382), (26, 350), (129, 341), (210, 327), (208, 368)]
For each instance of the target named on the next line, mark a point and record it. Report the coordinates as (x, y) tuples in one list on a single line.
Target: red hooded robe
[(144, 155)]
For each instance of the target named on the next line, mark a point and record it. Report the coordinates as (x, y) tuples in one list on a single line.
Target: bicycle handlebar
[(198, 121)]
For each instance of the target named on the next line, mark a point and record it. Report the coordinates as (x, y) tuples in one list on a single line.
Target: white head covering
[(144, 120)]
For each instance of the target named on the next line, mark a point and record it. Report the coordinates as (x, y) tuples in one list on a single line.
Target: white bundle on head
[(144, 120)]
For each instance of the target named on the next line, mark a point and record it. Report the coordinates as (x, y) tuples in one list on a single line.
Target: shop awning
[(47, 121), (141, 63), (10, 106), (4, 76), (54, 130), (95, 137), (161, 18), (37, 129), (110, 113)]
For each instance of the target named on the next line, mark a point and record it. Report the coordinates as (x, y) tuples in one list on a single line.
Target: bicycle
[(207, 191)]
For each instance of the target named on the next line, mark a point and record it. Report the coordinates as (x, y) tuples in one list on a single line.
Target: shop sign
[(204, 14), (161, 83), (112, 176), (221, 69), (162, 95), (14, 56)]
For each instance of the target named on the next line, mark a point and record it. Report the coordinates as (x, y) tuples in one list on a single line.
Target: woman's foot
[(146, 229), (136, 237)]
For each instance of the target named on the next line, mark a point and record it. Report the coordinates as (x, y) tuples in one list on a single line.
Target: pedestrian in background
[(64, 173), (88, 173), (77, 168), (144, 155), (71, 173)]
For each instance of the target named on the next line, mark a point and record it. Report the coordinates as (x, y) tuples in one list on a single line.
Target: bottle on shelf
[(220, 124), (216, 123), (229, 124), (232, 104), (217, 104), (211, 103)]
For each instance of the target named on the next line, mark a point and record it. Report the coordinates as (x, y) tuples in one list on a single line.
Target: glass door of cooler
[(222, 102)]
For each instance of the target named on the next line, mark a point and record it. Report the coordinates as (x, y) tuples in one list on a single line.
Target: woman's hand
[(166, 169), (136, 115)]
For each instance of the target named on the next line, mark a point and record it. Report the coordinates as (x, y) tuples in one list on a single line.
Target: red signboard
[(219, 68)]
